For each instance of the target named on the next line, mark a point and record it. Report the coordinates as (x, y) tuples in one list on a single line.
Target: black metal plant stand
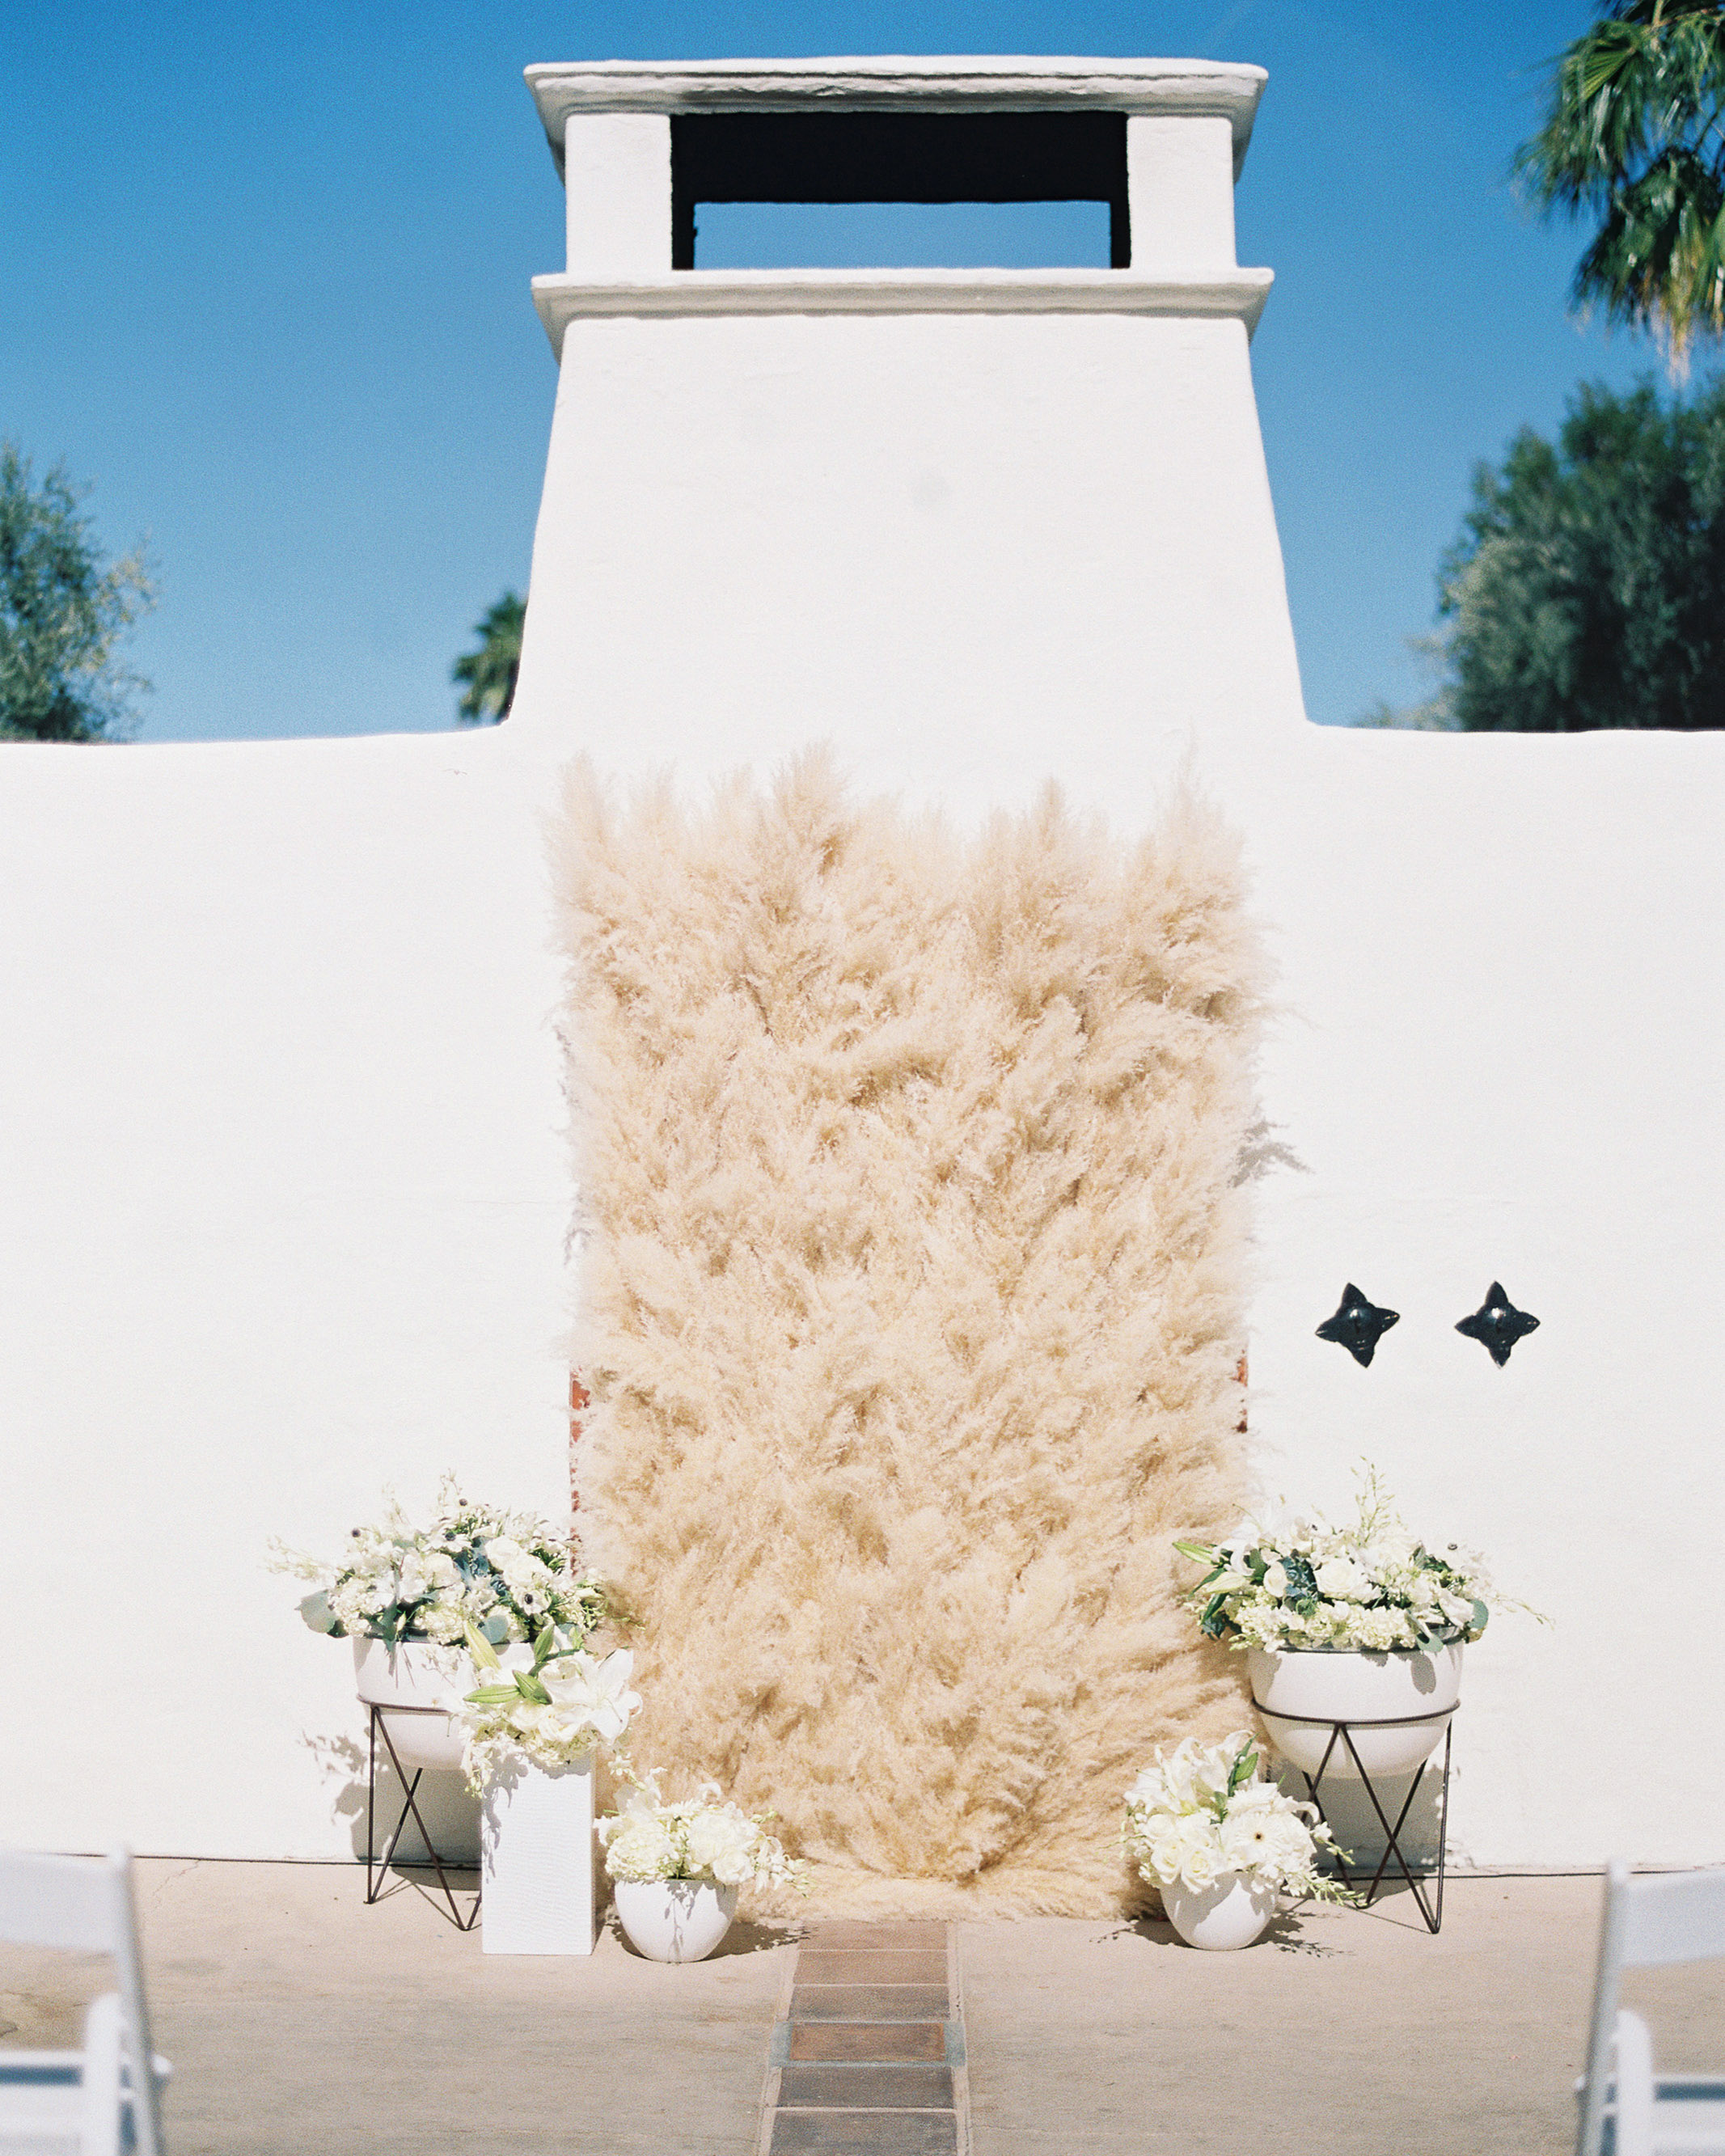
[(377, 1868), (1342, 1732)]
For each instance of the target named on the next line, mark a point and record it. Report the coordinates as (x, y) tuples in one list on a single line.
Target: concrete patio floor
[(300, 2020)]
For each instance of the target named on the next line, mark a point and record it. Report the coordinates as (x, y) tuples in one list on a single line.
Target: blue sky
[(263, 282)]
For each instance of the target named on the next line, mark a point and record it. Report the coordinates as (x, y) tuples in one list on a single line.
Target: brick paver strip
[(865, 2133), (878, 1937), (867, 2061), (866, 2087), (869, 2002), (904, 2040), (818, 1964)]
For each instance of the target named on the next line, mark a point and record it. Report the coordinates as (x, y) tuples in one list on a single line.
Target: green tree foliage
[(1633, 137), (1587, 586), (62, 610), (490, 672)]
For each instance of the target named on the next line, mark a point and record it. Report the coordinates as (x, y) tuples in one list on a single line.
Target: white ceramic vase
[(1227, 1914), (674, 1919), (1412, 1690), (414, 1680), (537, 1859)]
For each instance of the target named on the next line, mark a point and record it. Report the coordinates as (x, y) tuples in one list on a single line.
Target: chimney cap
[(901, 82)]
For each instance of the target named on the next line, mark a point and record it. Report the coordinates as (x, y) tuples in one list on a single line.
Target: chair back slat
[(83, 1905), (104, 2048), (66, 1901), (1674, 1917)]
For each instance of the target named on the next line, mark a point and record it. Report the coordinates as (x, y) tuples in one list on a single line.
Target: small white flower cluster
[(1204, 1813), (705, 1837), (504, 1573), (1369, 1587), (550, 1706)]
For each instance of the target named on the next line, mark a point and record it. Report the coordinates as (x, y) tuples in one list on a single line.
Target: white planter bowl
[(407, 1677), (1412, 1689), (674, 1919), (1229, 1914)]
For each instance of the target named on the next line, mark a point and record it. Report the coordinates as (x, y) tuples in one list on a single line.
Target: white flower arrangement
[(1369, 1587), (506, 1574), (1194, 1818), (705, 1838), (551, 1707)]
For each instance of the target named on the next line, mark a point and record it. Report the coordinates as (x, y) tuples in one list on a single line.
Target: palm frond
[(490, 672), (1633, 135)]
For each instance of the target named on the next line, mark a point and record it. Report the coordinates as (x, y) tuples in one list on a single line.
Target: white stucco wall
[(284, 1189), (284, 1183)]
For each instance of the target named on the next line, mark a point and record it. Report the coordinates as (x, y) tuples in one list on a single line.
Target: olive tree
[(63, 609)]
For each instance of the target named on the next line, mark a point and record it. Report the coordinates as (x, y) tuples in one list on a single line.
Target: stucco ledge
[(1239, 293)]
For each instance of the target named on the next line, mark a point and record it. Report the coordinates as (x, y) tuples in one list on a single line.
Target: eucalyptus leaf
[(317, 1614)]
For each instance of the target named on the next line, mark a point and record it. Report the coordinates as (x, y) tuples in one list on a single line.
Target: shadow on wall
[(450, 1810), (1357, 1827)]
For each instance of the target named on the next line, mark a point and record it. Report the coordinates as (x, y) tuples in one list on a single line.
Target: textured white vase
[(1412, 1689), (536, 1860), (414, 1676), (1230, 1913), (674, 1919)]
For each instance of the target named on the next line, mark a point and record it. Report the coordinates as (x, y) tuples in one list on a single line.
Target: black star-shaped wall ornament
[(1358, 1326), (1497, 1324)]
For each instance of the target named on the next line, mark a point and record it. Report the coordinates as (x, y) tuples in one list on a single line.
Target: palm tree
[(490, 672), (1633, 137)]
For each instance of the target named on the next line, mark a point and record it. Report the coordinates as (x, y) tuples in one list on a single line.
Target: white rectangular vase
[(536, 1843)]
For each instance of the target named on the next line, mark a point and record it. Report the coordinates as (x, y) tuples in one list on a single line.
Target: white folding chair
[(1626, 2108), (104, 2100)]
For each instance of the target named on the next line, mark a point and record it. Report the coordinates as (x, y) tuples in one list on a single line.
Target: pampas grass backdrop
[(913, 1301)]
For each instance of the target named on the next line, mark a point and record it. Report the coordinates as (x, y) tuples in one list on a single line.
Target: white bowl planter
[(1414, 1690), (537, 1859), (414, 1676), (1230, 1913), (674, 1919)]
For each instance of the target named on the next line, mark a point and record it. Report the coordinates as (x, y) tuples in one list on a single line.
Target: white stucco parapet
[(896, 82), (1241, 295)]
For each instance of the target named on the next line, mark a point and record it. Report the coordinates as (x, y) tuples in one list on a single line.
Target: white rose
[(1276, 1580), (1340, 1579), (1163, 1859), (722, 1841), (1199, 1850)]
